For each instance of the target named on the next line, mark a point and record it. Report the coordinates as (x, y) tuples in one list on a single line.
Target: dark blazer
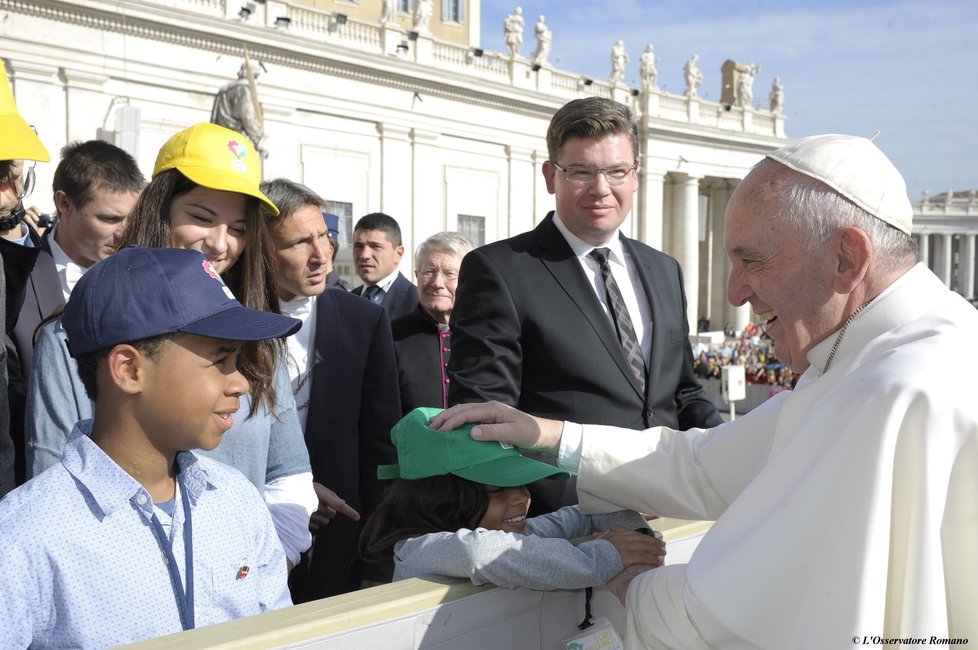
[(401, 299), (422, 352), (354, 404), (34, 293), (529, 331)]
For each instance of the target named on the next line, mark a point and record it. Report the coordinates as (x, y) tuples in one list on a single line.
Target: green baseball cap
[(423, 452)]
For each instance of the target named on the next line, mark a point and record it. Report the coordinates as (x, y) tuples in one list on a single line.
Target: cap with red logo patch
[(139, 293)]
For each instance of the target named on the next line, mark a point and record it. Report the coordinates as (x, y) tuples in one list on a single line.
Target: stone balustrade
[(393, 40)]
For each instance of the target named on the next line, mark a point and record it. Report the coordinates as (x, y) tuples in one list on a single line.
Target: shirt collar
[(873, 320), (581, 248), (110, 485), (299, 307), (385, 283)]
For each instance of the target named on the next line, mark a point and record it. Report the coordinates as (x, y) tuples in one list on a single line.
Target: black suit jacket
[(354, 404), (34, 293), (529, 331), (400, 299), (422, 351)]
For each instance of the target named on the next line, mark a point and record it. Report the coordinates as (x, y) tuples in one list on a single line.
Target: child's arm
[(511, 560), (570, 523)]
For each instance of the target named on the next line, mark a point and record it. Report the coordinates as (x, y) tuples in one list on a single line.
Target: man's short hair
[(443, 242), (590, 117), (383, 222), (288, 196), (86, 167)]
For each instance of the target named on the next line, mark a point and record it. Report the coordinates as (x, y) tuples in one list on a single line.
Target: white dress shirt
[(625, 274)]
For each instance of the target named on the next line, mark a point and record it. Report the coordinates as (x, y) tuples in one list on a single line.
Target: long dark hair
[(411, 508), (251, 277)]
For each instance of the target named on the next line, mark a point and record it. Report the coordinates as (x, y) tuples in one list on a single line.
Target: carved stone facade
[(435, 132), (945, 227)]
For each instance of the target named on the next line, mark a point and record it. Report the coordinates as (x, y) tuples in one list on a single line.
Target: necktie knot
[(600, 255), (373, 294)]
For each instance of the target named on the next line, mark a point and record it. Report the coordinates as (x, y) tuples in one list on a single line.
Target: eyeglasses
[(586, 175), (28, 176), (430, 274)]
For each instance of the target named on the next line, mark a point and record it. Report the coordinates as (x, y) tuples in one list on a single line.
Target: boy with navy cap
[(131, 535)]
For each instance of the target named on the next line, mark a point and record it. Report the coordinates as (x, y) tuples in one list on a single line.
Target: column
[(923, 248), (396, 172), (649, 207), (428, 191), (947, 258), (87, 103), (719, 306), (40, 98), (966, 265), (689, 248), (520, 207)]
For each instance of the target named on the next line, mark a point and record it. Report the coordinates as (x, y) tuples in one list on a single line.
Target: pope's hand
[(496, 421)]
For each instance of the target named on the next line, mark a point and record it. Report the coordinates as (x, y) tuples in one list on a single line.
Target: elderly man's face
[(787, 285), (437, 275)]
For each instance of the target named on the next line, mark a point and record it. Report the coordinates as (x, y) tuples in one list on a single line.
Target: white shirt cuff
[(571, 441), (291, 500)]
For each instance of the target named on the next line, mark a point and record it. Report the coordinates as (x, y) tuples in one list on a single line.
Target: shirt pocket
[(236, 587)]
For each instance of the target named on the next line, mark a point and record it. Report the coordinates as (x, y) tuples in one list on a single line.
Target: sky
[(906, 69)]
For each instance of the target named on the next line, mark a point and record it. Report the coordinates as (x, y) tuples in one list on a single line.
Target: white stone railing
[(391, 39)]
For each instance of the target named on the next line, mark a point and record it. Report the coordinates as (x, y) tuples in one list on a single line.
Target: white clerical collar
[(581, 248), (818, 355)]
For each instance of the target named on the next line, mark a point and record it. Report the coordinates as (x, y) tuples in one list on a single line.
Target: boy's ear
[(124, 368)]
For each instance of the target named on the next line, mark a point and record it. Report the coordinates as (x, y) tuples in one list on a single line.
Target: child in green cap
[(459, 509)]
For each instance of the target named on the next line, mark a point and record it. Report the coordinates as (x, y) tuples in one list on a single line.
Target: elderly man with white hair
[(846, 510), (422, 339)]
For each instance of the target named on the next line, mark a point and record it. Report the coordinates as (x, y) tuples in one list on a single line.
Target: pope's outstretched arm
[(496, 421)]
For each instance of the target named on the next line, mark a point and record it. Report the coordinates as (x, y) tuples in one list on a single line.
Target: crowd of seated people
[(752, 349)]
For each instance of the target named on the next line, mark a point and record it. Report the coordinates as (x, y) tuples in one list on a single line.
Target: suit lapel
[(563, 265), (324, 356)]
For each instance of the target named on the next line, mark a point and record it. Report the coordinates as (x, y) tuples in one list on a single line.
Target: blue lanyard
[(184, 597)]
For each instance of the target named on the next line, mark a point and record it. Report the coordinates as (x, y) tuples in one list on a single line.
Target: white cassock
[(845, 510)]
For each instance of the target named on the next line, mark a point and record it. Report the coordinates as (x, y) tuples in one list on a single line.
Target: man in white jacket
[(846, 510)]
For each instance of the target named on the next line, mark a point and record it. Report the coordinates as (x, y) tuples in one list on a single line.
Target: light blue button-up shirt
[(80, 564)]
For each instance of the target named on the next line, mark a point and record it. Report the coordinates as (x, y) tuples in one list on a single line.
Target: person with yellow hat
[(205, 196), (18, 143)]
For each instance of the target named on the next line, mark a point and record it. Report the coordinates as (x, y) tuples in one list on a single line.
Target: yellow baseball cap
[(215, 157), (18, 141)]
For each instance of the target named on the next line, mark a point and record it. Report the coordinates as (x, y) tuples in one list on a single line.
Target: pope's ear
[(853, 250)]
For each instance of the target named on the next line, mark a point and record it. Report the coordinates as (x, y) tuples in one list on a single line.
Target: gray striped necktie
[(619, 313)]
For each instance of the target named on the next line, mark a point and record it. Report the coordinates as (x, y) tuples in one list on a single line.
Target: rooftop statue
[(513, 32)]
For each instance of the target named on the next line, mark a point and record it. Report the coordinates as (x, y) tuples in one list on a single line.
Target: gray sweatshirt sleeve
[(513, 560)]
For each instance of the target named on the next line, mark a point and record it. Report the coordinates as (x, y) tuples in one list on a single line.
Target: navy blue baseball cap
[(139, 293), (332, 224)]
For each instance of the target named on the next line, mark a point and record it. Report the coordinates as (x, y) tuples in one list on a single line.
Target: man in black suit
[(377, 250), (345, 381), (573, 320), (96, 184), (20, 149)]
